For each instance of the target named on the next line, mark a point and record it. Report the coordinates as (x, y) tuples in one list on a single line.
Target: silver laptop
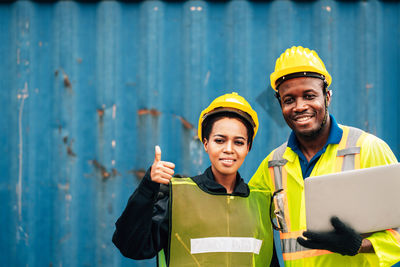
[(366, 199)]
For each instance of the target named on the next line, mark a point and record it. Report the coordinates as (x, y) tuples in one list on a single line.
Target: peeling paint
[(114, 109), (24, 95), (64, 187), (194, 8), (22, 235), (18, 55), (207, 78), (327, 8)]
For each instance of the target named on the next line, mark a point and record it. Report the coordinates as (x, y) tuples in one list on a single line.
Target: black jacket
[(143, 228)]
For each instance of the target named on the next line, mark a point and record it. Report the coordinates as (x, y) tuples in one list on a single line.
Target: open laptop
[(367, 199)]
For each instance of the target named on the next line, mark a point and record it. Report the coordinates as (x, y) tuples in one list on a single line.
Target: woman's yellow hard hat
[(232, 103), (299, 60)]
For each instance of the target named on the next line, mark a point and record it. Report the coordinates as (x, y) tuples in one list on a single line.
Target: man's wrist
[(366, 247)]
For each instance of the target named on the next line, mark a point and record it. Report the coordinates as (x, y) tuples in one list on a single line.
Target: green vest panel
[(218, 230)]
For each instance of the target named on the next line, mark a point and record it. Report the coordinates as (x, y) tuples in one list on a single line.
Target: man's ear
[(278, 97), (328, 97)]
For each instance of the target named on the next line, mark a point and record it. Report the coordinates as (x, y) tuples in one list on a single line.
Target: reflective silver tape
[(277, 163), (225, 244), (349, 151), (291, 245)]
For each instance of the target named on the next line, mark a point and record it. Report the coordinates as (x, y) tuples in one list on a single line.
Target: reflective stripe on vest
[(347, 158), (218, 230)]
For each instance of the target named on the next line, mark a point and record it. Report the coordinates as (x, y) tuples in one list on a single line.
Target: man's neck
[(311, 145)]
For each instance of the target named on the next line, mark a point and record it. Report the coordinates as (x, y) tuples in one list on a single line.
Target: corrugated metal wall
[(88, 89)]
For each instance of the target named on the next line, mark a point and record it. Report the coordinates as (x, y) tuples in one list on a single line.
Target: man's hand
[(343, 239), (161, 171)]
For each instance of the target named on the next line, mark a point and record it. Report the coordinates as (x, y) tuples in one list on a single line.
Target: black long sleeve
[(142, 230)]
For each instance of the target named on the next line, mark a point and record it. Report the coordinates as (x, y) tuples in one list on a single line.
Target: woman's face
[(227, 146)]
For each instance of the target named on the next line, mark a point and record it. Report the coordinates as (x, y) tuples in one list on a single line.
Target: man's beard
[(311, 135)]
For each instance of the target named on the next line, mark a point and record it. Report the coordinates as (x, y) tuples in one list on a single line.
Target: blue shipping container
[(88, 89)]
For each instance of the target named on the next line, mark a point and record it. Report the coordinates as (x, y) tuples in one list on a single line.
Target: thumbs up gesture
[(161, 171)]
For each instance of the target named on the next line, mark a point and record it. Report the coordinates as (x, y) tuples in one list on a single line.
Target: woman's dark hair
[(211, 119)]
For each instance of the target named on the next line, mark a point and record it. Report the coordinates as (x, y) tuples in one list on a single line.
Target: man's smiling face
[(303, 105)]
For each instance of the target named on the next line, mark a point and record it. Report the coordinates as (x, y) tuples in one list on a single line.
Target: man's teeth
[(228, 160), (303, 118)]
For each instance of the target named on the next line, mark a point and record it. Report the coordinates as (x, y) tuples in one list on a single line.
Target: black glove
[(343, 239)]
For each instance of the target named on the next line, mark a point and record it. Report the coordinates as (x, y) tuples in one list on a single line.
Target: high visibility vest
[(290, 207), (218, 230)]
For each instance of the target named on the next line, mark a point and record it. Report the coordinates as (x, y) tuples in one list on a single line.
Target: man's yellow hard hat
[(232, 103), (299, 60)]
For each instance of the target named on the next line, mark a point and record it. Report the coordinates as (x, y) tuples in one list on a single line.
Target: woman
[(213, 219)]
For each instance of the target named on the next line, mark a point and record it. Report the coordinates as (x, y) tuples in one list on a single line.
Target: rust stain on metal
[(103, 170), (67, 83), (139, 173), (100, 112), (185, 123), (70, 152), (114, 172), (152, 112)]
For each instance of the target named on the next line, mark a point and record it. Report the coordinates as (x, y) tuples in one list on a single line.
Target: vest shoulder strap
[(277, 157), (351, 142), (277, 162), (350, 152)]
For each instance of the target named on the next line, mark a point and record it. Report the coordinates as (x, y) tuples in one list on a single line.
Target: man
[(318, 146)]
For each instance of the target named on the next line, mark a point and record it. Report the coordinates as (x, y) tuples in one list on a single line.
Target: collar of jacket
[(207, 183)]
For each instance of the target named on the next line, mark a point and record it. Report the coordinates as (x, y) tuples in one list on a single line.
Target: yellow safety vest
[(218, 230), (281, 170)]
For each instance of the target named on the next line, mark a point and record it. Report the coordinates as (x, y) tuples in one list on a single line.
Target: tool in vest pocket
[(277, 201)]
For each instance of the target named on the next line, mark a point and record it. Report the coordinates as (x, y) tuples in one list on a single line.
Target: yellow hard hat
[(299, 60), (232, 103)]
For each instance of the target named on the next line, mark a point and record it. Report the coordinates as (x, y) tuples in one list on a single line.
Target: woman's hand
[(161, 171)]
